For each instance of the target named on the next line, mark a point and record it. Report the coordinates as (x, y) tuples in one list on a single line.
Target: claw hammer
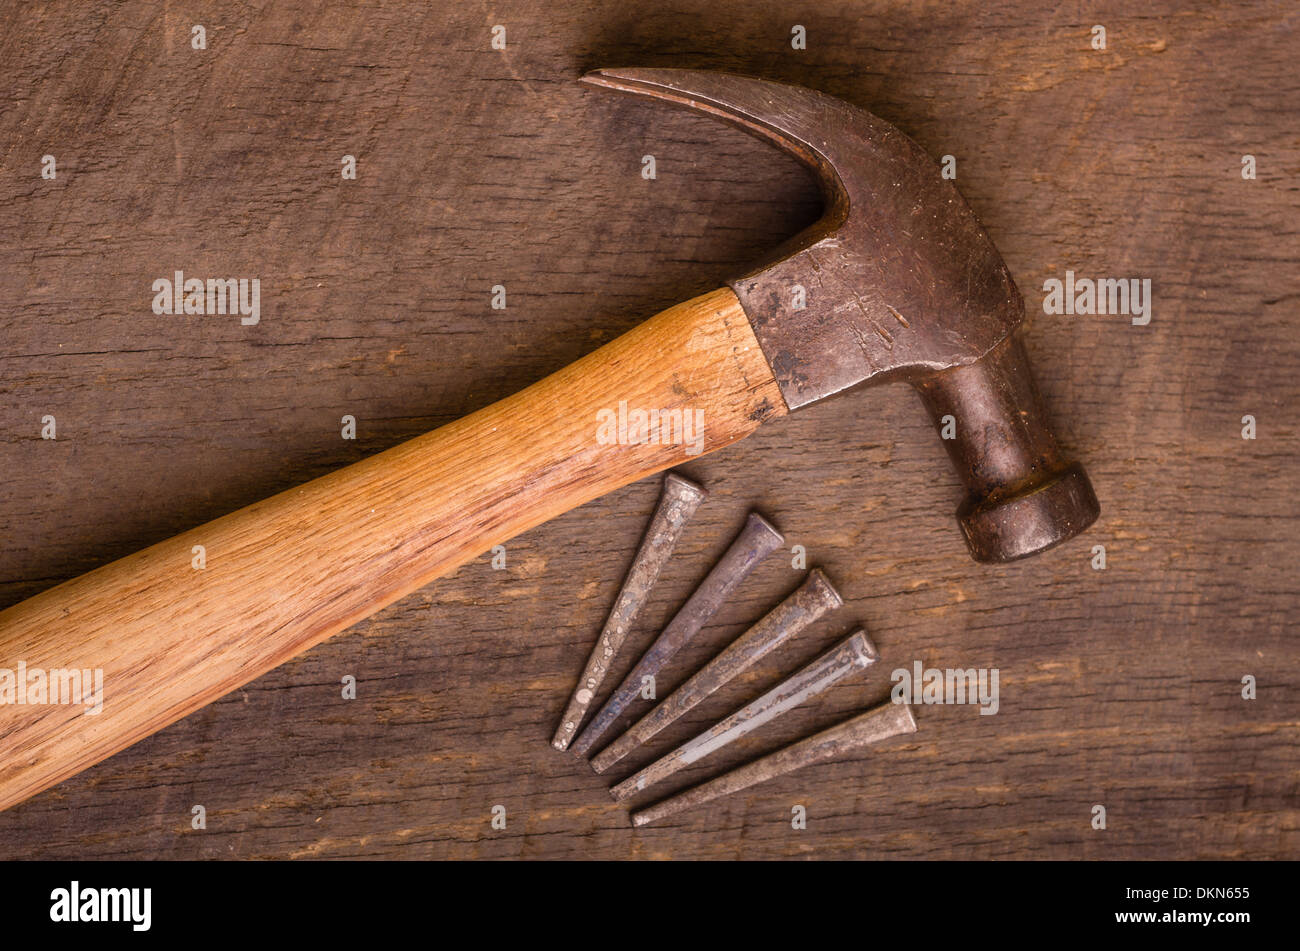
[(901, 283)]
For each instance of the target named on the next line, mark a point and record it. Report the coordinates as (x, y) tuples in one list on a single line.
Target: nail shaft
[(812, 599), (756, 541), (853, 653), (678, 501), (879, 723)]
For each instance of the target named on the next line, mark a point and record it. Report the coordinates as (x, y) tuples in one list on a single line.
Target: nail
[(756, 541), (678, 500), (805, 604), (853, 653), (879, 723)]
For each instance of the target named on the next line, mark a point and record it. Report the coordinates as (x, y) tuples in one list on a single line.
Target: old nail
[(879, 723), (756, 541), (805, 604), (853, 653), (678, 501)]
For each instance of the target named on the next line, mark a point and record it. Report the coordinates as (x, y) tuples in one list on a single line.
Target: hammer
[(897, 281)]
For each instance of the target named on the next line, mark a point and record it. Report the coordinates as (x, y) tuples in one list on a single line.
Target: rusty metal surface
[(879, 723), (1023, 495), (678, 500), (758, 539), (853, 653), (814, 598), (898, 279), (899, 274)]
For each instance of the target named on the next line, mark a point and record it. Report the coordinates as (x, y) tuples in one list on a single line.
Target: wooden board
[(479, 167)]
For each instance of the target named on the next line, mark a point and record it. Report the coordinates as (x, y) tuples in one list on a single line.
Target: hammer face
[(1023, 495)]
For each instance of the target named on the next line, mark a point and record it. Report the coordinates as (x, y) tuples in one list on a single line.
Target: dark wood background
[(478, 167)]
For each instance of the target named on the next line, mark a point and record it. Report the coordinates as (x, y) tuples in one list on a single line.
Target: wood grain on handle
[(284, 574)]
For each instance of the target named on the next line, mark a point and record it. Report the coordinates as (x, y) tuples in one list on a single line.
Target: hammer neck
[(1023, 494)]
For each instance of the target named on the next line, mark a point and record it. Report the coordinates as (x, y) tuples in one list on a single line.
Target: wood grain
[(479, 167), (189, 619)]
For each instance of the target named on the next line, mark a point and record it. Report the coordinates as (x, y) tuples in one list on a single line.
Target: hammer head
[(896, 281)]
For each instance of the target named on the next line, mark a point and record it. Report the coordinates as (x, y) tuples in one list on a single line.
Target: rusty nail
[(853, 653), (678, 501), (879, 723), (756, 541), (802, 607)]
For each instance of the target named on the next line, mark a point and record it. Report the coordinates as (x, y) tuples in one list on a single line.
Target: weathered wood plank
[(479, 167)]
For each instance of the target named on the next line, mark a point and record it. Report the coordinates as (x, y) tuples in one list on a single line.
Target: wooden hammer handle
[(284, 574)]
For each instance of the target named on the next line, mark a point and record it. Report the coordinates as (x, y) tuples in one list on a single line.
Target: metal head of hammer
[(900, 282)]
